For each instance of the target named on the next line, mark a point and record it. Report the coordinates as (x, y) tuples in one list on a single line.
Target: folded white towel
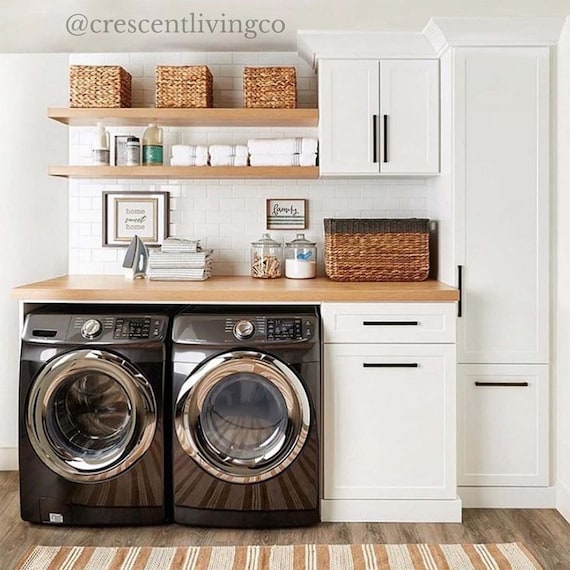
[(189, 161), (228, 150), (189, 150), (307, 159), (159, 259), (298, 145), (228, 160), (180, 245)]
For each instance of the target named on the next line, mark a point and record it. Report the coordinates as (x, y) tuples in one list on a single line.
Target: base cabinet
[(389, 421), (502, 425)]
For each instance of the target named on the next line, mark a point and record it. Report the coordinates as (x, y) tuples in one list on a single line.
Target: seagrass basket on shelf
[(377, 249), (270, 87), (99, 86), (184, 86)]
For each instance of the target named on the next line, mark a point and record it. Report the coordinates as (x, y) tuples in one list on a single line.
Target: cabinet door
[(502, 425), (348, 116), (389, 421), (409, 116), (502, 159)]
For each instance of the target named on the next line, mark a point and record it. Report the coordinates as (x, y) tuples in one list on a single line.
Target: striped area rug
[(299, 557)]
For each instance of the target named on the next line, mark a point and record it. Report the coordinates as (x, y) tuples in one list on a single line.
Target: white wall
[(562, 211), (35, 25), (33, 221), (226, 215)]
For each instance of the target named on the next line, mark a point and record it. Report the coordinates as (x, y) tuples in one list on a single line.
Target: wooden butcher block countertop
[(230, 289)]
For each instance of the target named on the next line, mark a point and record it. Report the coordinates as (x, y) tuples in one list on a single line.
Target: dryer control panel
[(245, 329)]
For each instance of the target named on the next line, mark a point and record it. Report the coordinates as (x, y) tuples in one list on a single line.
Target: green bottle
[(152, 153)]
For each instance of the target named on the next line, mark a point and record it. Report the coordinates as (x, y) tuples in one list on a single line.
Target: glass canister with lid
[(266, 258), (300, 258)]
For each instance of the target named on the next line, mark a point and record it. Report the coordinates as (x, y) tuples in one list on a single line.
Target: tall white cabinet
[(501, 177), (379, 117)]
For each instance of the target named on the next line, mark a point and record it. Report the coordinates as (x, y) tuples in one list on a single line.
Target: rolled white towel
[(228, 160), (306, 159), (188, 150), (228, 150), (298, 145), (189, 161)]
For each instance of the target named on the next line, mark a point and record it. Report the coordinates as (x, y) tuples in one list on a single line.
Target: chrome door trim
[(199, 383), (79, 467)]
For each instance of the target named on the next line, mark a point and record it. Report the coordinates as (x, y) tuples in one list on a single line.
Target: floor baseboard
[(508, 497), (563, 501), (8, 458)]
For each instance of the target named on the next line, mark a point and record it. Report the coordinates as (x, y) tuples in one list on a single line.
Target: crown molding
[(439, 34), (443, 32), (313, 45)]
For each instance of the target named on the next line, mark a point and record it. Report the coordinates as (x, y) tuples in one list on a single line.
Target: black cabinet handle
[(460, 287), (374, 138), (390, 323), (385, 138), (504, 384), (390, 365)]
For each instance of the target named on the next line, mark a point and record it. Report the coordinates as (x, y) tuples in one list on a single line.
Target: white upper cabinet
[(502, 200), (379, 117), (409, 116)]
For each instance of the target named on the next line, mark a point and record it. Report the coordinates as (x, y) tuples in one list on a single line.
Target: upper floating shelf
[(186, 117)]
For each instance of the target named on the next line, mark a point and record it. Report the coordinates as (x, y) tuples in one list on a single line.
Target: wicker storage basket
[(99, 86), (377, 249), (184, 86), (269, 87)]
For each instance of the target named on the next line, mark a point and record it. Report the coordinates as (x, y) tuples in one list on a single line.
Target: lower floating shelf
[(304, 172)]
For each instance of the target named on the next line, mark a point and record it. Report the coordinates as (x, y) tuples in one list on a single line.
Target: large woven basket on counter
[(270, 87), (377, 249), (184, 86), (99, 86)]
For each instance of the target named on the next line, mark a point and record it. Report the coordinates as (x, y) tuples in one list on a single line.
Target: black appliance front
[(246, 404), (91, 433)]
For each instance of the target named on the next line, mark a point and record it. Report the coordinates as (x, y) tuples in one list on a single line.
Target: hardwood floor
[(543, 531)]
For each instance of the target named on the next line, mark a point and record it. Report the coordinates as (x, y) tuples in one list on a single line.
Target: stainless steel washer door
[(243, 416), (91, 415)]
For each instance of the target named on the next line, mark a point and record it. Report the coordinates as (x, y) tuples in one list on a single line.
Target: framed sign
[(286, 214), (126, 214)]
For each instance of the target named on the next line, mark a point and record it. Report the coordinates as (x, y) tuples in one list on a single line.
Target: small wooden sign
[(286, 214)]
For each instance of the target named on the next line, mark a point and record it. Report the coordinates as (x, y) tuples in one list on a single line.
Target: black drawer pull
[(390, 365), (505, 384), (390, 323)]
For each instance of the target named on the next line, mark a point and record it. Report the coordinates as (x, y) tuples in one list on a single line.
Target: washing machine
[(91, 433), (246, 416)]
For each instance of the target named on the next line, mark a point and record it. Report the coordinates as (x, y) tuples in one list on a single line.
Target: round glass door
[(91, 415), (243, 416)]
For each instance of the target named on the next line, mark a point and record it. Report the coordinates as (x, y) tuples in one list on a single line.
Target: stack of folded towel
[(180, 259), (299, 151), (189, 155), (228, 155)]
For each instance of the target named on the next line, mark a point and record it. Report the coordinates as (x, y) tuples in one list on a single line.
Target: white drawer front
[(389, 322)]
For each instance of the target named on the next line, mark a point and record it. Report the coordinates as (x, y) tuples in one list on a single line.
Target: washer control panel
[(285, 329), (106, 328), (268, 329)]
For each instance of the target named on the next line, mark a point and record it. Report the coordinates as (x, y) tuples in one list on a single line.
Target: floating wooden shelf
[(187, 117), (304, 172)]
